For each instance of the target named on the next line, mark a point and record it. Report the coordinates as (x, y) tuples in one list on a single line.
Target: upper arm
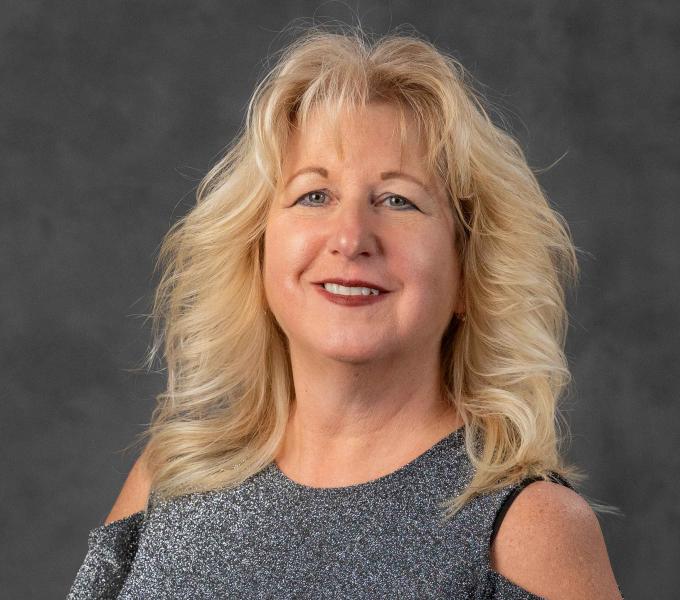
[(551, 544), (134, 494)]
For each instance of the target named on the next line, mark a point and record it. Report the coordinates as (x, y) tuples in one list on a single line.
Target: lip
[(358, 300), (352, 283)]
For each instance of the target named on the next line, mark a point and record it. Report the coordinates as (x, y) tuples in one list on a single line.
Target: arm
[(551, 544), (112, 547), (134, 494)]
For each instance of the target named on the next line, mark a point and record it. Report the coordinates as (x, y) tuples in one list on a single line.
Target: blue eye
[(409, 205), (307, 195)]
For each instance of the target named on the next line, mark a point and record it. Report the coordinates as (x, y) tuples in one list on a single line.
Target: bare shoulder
[(550, 543), (134, 494)]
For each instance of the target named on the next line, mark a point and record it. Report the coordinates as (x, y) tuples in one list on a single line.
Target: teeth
[(335, 288)]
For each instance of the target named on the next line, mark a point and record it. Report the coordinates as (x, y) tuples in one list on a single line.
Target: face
[(362, 218)]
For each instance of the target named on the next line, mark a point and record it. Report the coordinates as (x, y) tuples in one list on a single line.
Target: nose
[(352, 229)]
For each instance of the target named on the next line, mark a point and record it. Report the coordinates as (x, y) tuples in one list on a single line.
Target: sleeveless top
[(272, 537)]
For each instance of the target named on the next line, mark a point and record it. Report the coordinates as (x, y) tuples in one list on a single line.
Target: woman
[(363, 320)]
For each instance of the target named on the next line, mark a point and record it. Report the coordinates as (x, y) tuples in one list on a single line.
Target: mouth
[(351, 287)]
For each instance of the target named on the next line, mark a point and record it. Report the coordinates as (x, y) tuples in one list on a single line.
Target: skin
[(366, 378), (134, 494), (551, 544)]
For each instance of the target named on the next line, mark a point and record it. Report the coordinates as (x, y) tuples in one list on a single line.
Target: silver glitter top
[(272, 537)]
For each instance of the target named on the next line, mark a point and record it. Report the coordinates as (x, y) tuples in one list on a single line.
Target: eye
[(311, 195), (403, 202), (316, 198)]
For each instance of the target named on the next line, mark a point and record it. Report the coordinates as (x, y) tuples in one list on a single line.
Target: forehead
[(378, 132)]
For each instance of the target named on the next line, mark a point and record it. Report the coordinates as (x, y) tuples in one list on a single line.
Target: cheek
[(430, 263), (287, 250)]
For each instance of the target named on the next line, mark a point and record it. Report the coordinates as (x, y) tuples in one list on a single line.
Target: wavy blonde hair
[(229, 381)]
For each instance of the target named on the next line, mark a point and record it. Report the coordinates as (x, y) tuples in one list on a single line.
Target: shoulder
[(134, 494), (550, 543)]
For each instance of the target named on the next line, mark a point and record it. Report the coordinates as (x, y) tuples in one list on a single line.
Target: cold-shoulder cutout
[(125, 521), (499, 587), (134, 495), (111, 550), (550, 544), (112, 546)]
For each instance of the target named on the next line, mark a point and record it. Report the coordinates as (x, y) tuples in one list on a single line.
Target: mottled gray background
[(110, 112)]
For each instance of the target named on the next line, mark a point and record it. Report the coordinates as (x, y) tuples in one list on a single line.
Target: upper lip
[(352, 283)]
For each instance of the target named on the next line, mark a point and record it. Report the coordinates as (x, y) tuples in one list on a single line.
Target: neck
[(354, 422)]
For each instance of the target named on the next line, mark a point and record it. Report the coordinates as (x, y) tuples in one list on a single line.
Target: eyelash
[(408, 207)]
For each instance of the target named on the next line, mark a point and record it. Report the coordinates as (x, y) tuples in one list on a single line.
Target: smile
[(350, 296), (335, 288)]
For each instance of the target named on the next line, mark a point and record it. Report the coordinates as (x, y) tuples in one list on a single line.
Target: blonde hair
[(229, 382)]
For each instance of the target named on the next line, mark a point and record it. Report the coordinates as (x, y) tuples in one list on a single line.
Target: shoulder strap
[(510, 498)]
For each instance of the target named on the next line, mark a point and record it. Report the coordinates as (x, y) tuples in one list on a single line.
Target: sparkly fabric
[(274, 538)]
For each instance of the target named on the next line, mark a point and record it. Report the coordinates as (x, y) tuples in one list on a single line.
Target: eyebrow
[(384, 176)]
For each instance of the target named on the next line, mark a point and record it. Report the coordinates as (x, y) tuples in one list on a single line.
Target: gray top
[(272, 537)]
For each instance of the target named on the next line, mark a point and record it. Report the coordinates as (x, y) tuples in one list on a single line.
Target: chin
[(359, 354)]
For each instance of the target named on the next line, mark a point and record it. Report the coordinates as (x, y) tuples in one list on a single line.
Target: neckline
[(452, 439)]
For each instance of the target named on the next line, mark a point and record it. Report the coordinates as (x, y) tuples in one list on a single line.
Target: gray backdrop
[(112, 111)]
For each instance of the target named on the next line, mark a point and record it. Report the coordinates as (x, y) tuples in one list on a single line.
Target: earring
[(462, 317)]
